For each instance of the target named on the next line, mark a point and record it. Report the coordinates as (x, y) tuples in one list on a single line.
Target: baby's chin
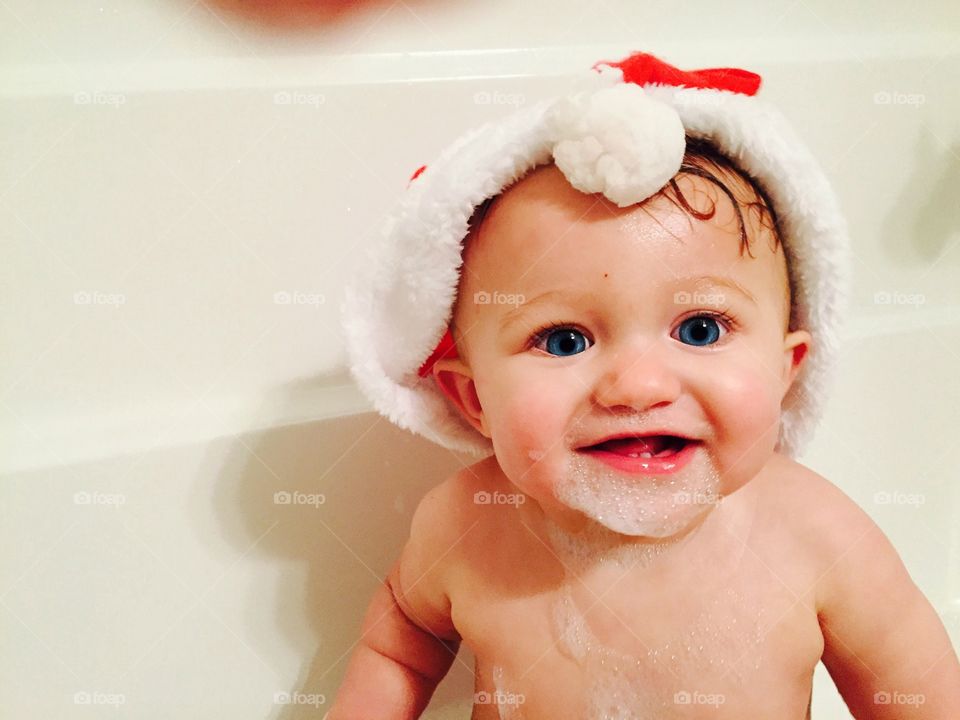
[(657, 524), (640, 506)]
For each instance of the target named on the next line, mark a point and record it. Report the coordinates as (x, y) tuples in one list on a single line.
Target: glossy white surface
[(149, 155)]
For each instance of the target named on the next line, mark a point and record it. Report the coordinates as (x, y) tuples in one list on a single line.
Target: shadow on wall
[(370, 475), (925, 219)]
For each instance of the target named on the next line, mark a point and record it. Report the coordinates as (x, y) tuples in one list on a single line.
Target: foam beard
[(641, 505)]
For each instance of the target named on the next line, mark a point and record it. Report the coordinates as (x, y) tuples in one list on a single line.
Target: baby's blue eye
[(563, 342), (699, 330)]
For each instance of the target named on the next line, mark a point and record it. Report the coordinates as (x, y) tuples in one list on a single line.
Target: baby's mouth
[(648, 446)]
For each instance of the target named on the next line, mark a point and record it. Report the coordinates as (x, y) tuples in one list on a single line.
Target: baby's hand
[(408, 641), (884, 644)]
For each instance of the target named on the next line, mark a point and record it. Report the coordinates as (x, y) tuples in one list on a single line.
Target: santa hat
[(624, 138)]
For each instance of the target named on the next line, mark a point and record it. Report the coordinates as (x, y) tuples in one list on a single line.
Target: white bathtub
[(181, 192)]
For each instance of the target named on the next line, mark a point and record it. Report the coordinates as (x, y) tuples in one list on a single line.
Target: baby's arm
[(885, 646), (408, 640)]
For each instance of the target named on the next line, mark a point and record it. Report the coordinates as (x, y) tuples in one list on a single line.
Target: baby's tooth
[(646, 454)]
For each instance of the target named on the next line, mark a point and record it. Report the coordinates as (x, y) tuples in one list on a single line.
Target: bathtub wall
[(185, 185)]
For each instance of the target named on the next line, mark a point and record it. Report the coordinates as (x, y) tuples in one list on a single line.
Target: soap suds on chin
[(597, 545), (639, 505)]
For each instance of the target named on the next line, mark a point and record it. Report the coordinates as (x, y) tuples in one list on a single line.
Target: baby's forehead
[(542, 235), (542, 218), (545, 188)]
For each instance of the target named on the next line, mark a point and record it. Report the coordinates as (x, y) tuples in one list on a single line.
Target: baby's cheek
[(746, 409), (745, 418), (528, 427)]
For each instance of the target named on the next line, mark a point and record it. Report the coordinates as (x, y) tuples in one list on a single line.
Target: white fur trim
[(399, 304)]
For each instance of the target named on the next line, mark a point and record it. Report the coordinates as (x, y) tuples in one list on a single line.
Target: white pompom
[(617, 141)]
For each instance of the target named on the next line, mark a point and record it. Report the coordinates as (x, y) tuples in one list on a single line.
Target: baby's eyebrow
[(698, 281), (513, 315), (727, 282)]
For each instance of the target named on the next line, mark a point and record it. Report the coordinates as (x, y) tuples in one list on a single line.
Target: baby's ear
[(796, 345), (455, 379)]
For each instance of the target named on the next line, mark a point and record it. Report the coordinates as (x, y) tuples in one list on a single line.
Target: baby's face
[(578, 321)]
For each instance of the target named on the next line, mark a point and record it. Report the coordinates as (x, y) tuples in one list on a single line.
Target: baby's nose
[(638, 376)]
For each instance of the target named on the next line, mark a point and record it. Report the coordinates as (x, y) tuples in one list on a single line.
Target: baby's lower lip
[(646, 465)]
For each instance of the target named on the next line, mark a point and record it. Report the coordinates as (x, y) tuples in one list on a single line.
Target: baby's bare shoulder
[(826, 510), (879, 630), (426, 570), (447, 513), (453, 502), (823, 522), (812, 506)]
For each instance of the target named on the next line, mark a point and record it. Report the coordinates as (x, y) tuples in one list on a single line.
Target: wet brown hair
[(703, 159)]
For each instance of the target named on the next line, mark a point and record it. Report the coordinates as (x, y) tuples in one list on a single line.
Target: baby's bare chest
[(617, 646)]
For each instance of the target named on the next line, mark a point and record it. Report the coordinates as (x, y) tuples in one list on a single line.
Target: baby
[(631, 343)]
